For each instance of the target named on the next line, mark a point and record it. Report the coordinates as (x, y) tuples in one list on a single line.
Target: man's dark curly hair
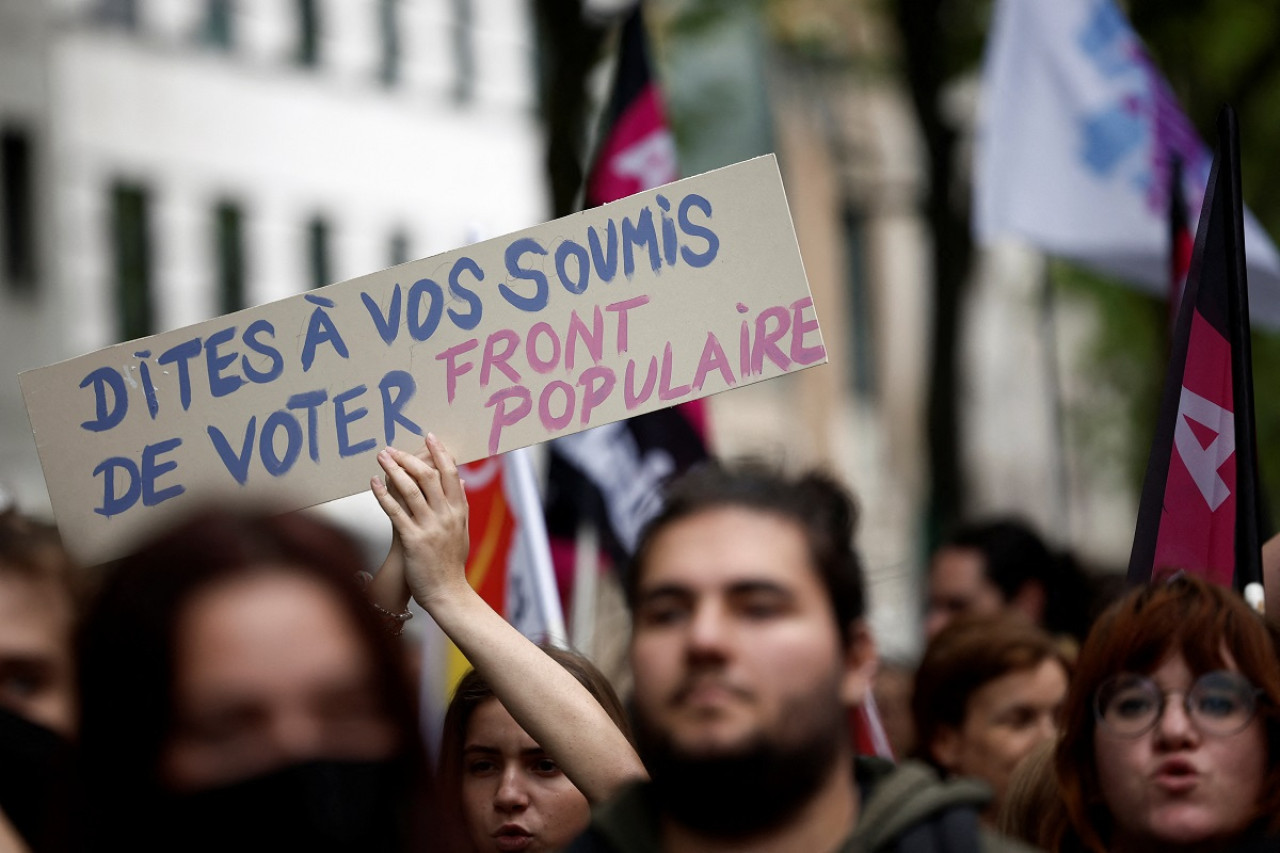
[(823, 508)]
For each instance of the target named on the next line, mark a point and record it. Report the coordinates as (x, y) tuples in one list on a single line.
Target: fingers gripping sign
[(427, 505)]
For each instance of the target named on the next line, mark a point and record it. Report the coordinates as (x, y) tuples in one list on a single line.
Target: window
[(308, 33), (398, 248), (464, 52), (116, 13), (131, 240), (218, 28), (318, 237), (228, 226), (861, 324), (389, 30), (17, 211)]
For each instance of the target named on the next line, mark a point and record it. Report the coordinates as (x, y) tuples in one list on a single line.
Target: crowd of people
[(240, 682)]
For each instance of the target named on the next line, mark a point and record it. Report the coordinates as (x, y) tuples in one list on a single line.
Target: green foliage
[(1216, 52), (1123, 369), (1266, 377)]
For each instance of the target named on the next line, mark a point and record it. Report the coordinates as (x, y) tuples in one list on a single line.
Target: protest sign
[(662, 297)]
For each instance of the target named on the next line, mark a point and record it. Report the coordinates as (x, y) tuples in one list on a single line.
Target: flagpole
[(519, 467), (1248, 550), (1049, 325)]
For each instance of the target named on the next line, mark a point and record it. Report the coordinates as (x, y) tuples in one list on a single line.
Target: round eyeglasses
[(1218, 703)]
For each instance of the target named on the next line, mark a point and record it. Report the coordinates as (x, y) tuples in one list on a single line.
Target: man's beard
[(753, 787)]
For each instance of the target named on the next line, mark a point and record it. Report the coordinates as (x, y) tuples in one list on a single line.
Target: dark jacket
[(905, 809)]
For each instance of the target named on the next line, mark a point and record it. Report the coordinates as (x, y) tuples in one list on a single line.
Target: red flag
[(1200, 508), (509, 565)]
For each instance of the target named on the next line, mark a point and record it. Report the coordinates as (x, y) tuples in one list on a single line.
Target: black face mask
[(35, 775), (313, 806)]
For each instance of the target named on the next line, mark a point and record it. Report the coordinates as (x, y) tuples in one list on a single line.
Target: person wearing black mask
[(238, 692), (37, 696)]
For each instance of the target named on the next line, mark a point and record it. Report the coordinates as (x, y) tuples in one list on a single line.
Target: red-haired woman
[(1172, 727)]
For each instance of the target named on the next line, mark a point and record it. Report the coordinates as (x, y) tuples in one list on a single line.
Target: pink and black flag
[(637, 151), (610, 477), (1200, 500)]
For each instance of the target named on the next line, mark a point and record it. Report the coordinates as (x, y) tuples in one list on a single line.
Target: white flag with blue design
[(1077, 140)]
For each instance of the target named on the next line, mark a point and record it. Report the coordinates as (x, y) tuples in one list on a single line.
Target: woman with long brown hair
[(537, 723)]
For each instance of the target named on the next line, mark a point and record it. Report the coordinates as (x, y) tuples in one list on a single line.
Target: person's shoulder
[(907, 807), (627, 823), (896, 797)]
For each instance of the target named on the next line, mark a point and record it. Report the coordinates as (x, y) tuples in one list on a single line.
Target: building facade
[(166, 161)]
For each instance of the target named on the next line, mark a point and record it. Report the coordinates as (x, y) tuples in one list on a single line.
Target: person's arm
[(430, 521), (10, 840)]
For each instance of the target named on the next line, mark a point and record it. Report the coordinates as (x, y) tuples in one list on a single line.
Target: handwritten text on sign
[(662, 297)]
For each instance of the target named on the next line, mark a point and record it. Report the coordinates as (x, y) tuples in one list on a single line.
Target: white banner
[(1076, 144)]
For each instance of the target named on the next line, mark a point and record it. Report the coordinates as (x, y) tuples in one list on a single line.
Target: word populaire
[(776, 333), (232, 358)]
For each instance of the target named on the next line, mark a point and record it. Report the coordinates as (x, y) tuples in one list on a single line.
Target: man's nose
[(709, 629)]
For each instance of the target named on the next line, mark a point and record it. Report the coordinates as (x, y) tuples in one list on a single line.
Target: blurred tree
[(941, 42), (569, 48)]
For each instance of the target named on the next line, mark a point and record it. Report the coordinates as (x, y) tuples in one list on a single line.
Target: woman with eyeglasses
[(1172, 731)]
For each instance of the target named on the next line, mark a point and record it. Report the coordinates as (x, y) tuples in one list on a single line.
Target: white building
[(165, 161)]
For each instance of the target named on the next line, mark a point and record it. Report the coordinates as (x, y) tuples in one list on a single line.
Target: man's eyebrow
[(665, 590), (751, 587)]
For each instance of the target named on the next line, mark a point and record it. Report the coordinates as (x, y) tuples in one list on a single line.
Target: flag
[(1200, 504), (1078, 132), (610, 477), (637, 151), (869, 736), (509, 565)]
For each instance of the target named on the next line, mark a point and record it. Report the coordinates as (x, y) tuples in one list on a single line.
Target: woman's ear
[(945, 747)]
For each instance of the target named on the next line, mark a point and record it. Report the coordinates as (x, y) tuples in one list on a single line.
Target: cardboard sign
[(661, 297)]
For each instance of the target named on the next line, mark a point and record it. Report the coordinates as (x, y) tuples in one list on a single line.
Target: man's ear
[(1030, 601), (945, 747), (860, 663)]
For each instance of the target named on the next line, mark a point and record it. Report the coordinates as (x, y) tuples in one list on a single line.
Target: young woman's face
[(1177, 784), (1004, 721), (515, 797), (268, 672)]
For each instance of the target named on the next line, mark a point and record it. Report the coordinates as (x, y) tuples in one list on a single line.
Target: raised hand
[(427, 505)]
